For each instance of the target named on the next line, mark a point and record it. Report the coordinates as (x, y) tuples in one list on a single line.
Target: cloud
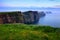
[(28, 3), (51, 0), (54, 0), (57, 6)]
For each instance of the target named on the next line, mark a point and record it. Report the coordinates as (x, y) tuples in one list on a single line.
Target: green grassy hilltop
[(28, 32)]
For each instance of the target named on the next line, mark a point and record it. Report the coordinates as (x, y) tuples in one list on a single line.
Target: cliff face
[(19, 17), (31, 16), (42, 14)]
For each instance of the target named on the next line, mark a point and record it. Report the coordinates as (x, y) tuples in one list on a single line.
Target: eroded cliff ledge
[(19, 17)]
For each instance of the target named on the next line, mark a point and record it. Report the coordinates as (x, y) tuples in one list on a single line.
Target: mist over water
[(52, 19)]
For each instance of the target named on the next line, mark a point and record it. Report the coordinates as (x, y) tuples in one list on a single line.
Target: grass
[(28, 32)]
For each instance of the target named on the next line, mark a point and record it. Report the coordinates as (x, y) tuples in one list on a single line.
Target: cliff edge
[(19, 17)]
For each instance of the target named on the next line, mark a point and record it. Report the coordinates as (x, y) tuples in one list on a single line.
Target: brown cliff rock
[(19, 17)]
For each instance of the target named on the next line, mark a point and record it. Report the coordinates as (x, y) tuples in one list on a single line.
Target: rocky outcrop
[(19, 17), (48, 12), (31, 16), (42, 14)]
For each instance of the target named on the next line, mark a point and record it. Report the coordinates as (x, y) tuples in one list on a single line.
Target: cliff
[(31, 17), (42, 14), (19, 17)]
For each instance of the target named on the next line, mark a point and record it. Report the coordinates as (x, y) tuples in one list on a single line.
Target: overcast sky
[(29, 3)]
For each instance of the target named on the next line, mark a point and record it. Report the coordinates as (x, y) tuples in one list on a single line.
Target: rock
[(48, 12), (31, 16), (19, 17), (42, 14)]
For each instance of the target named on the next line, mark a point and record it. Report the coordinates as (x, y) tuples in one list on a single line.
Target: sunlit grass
[(28, 32)]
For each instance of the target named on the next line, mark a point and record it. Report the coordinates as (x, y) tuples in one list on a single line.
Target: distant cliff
[(19, 17), (42, 14)]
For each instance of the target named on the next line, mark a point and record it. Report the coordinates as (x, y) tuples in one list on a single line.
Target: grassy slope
[(28, 32)]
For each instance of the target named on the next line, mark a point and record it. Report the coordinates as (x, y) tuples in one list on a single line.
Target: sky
[(29, 3)]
